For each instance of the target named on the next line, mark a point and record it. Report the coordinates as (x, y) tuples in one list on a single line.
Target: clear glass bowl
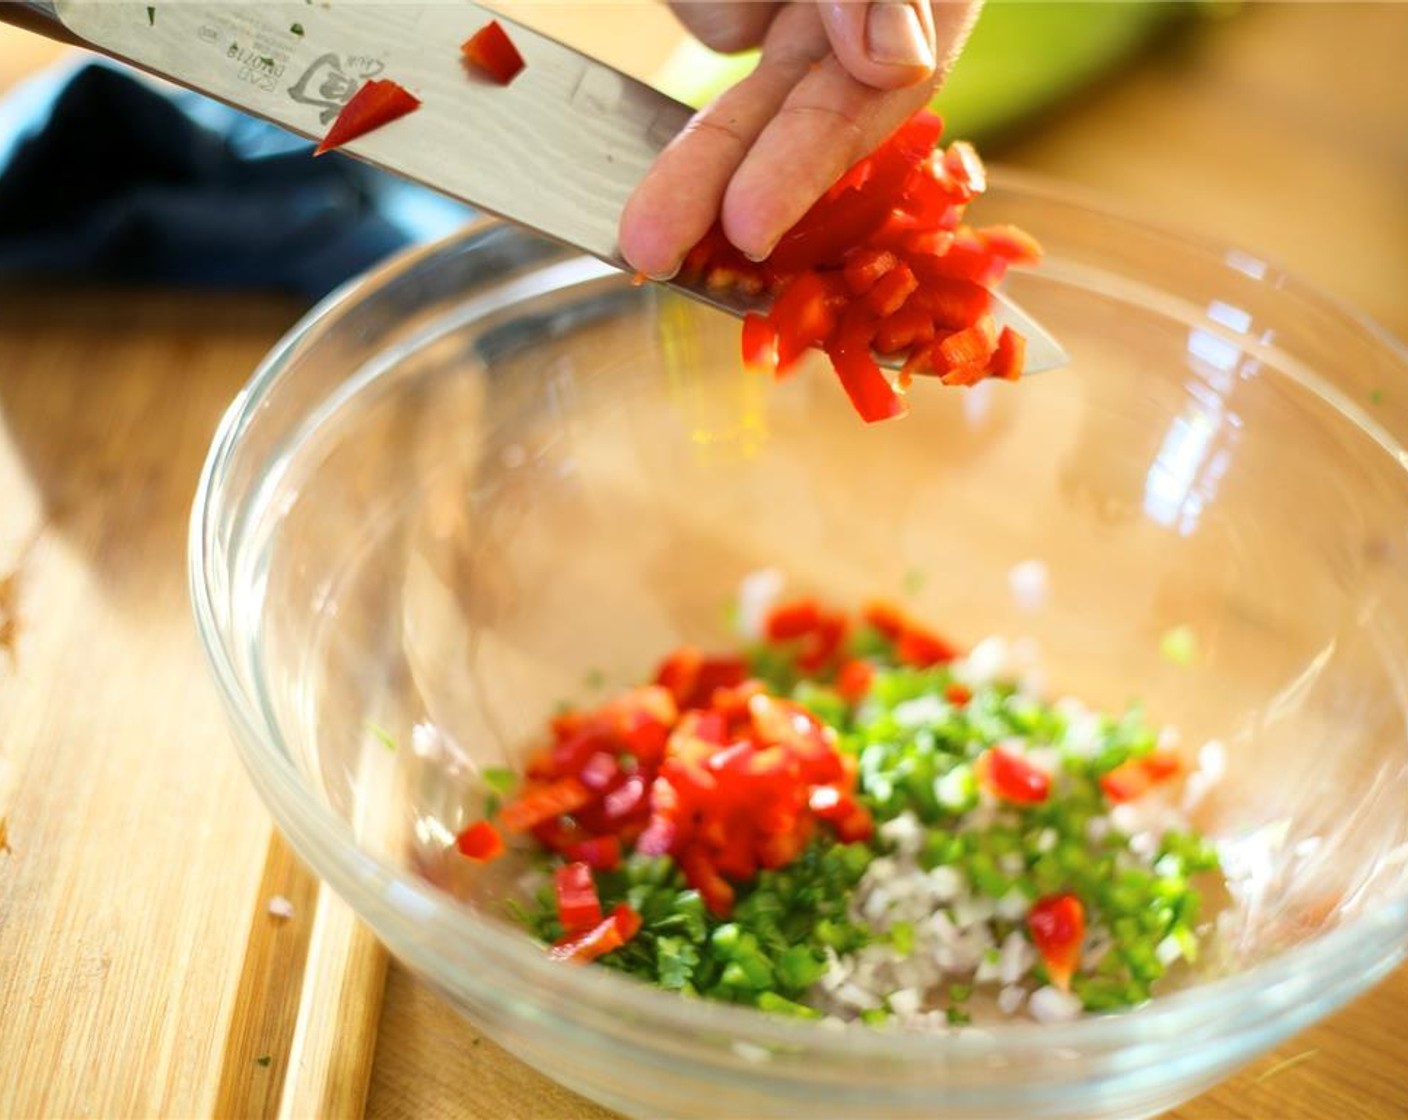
[(493, 468)]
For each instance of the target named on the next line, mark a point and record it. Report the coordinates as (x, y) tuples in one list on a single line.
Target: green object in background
[(1022, 58)]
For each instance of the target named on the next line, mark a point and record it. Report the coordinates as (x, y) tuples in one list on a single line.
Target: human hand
[(836, 77)]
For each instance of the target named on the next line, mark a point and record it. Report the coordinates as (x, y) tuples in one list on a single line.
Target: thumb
[(886, 44)]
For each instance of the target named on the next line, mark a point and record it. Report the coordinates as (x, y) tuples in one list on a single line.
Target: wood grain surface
[(140, 971)]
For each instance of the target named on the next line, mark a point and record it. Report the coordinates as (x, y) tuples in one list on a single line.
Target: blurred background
[(1282, 127)]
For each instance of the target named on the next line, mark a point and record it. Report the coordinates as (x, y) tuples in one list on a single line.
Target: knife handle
[(40, 17)]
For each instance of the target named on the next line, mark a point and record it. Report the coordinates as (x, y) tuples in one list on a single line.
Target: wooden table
[(140, 973)]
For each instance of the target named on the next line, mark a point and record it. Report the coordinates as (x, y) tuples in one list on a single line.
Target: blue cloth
[(105, 176)]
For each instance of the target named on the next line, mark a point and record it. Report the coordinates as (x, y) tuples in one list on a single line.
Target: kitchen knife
[(558, 150)]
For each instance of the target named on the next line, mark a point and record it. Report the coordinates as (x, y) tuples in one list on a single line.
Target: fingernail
[(759, 258), (895, 37), (664, 274)]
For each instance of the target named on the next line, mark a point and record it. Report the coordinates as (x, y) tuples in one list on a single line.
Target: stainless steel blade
[(558, 150)]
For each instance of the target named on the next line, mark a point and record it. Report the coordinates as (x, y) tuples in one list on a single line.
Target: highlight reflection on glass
[(1195, 451)]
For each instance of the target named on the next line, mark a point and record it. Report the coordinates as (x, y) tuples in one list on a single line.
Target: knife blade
[(558, 150)]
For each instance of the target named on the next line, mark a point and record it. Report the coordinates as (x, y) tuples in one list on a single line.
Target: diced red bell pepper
[(542, 803), (377, 102), (820, 646), (1012, 778), (661, 833), (1015, 246), (885, 618), (971, 347), (888, 235), (578, 907), (804, 314), (965, 169), (1010, 357), (599, 771), (786, 723), (713, 888), (780, 847), (926, 243), (610, 933), (865, 267), (571, 752), (642, 734), (559, 833), (952, 304), (732, 758), (600, 853), (905, 328), (871, 394), (1135, 777), (693, 678), (958, 694), (492, 52), (737, 857), (759, 344), (626, 919), (625, 799), (854, 679), (1057, 926), (890, 292), (791, 620), (966, 259), (481, 842), (679, 672), (850, 820), (841, 220), (922, 649)]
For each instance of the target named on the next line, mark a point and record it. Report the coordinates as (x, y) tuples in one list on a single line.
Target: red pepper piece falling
[(1057, 926), (490, 51), (480, 841), (378, 102)]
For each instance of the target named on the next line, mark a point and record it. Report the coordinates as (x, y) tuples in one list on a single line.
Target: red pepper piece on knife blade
[(378, 102), (490, 51)]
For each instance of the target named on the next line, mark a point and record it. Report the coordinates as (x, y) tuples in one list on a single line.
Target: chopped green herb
[(914, 581), (267, 60), (774, 944), (151, 17), (297, 29), (595, 680), (1376, 396), (263, 1059), (500, 779), (382, 736), (1179, 646)]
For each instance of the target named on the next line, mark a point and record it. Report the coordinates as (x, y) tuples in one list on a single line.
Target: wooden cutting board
[(141, 973)]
